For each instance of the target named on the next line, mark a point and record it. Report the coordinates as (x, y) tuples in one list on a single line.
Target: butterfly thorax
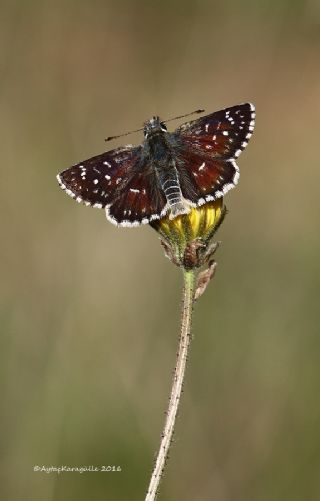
[(162, 160)]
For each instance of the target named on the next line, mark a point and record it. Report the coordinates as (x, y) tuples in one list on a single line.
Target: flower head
[(187, 239)]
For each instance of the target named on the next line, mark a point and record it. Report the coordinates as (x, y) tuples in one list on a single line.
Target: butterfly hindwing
[(203, 178), (140, 202)]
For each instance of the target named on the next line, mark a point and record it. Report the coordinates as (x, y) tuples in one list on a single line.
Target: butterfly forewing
[(119, 180), (222, 134), (98, 180)]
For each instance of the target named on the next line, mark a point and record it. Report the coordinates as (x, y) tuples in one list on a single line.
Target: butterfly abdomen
[(170, 184), (164, 165)]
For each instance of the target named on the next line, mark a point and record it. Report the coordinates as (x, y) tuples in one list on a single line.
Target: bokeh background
[(90, 313)]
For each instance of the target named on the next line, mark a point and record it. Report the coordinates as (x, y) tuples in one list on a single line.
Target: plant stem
[(178, 379)]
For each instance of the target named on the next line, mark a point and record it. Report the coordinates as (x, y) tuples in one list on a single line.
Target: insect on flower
[(175, 181), (169, 173)]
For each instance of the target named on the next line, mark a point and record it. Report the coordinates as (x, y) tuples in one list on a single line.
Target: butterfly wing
[(203, 178), (223, 134), (207, 149), (119, 180), (140, 202)]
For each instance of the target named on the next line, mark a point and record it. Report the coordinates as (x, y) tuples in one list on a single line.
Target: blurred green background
[(90, 313)]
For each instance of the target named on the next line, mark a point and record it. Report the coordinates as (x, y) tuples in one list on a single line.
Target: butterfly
[(169, 173)]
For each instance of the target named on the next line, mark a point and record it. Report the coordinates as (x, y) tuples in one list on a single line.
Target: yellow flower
[(187, 239)]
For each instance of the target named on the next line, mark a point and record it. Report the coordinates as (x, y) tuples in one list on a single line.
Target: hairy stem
[(178, 379)]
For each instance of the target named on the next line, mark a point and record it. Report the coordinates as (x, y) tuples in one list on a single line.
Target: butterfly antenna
[(183, 116), (121, 135), (169, 120)]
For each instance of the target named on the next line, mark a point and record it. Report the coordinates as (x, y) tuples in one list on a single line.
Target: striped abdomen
[(171, 187)]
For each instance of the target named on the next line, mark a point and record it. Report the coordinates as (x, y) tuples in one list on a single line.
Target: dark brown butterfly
[(169, 173)]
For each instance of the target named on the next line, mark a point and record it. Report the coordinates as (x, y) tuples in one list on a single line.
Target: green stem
[(178, 379)]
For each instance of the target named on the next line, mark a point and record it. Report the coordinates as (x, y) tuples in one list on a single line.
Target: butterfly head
[(153, 126)]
